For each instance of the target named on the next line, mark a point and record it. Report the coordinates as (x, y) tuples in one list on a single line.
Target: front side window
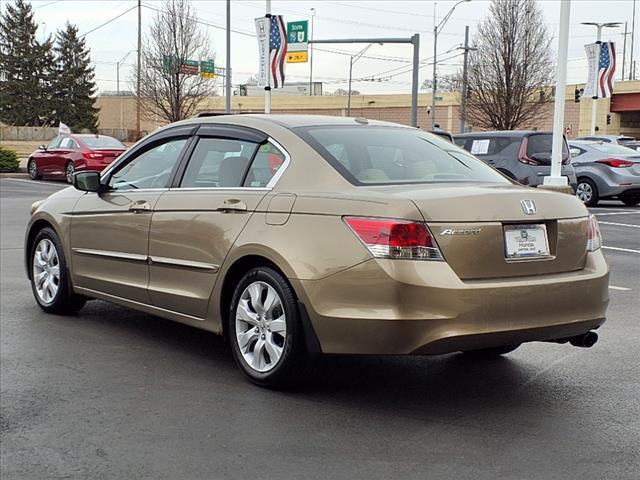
[(150, 169), (389, 155), (55, 143)]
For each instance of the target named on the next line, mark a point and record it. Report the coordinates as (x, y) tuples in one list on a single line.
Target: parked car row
[(597, 167)]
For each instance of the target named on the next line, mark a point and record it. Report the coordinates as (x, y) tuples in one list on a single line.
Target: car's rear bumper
[(412, 307)]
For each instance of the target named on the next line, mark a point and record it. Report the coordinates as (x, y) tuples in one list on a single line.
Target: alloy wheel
[(46, 271), (584, 192), (33, 169), (261, 327), (69, 171)]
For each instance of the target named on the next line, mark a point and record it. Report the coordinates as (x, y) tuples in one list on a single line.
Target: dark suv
[(524, 156)]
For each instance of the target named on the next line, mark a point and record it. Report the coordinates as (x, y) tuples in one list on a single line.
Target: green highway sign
[(297, 36)]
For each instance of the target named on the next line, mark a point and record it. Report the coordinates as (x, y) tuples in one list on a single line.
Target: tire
[(69, 170), (253, 331), (492, 352), (630, 201), (49, 275), (32, 168), (587, 192)]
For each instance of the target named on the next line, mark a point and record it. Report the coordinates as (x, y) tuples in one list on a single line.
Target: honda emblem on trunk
[(528, 207)]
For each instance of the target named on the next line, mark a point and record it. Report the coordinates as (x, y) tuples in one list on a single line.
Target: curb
[(21, 173)]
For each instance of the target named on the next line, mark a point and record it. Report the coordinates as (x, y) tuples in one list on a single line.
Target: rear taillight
[(616, 163), (594, 238), (92, 155), (397, 239)]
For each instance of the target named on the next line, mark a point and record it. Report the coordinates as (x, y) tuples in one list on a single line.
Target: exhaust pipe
[(585, 340)]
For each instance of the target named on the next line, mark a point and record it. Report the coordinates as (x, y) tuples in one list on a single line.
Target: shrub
[(8, 160)]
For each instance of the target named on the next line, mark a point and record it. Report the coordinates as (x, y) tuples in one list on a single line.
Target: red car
[(67, 154)]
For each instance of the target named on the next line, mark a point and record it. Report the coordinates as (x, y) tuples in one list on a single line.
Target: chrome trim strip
[(184, 263), (106, 253), (218, 189)]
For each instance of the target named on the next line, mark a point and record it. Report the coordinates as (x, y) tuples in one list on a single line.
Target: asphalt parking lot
[(113, 393)]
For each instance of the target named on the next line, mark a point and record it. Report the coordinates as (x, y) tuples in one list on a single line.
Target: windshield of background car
[(370, 155), (97, 143), (613, 148)]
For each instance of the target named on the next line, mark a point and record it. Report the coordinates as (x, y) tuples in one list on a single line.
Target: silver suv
[(524, 156)]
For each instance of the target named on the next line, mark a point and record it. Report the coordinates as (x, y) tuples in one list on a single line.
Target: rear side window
[(491, 145), (68, 143), (372, 155), (229, 163), (218, 162), (541, 144)]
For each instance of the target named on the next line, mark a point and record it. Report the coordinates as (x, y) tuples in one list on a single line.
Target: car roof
[(285, 120), (501, 133), (613, 137)]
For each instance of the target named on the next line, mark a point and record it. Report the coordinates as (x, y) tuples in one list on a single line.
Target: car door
[(196, 222), (46, 159), (64, 155), (110, 230)]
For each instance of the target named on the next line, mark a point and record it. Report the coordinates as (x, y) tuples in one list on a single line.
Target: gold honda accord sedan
[(299, 235)]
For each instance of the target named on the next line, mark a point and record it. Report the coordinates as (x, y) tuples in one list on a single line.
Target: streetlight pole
[(313, 14), (437, 28), (594, 101), (353, 59), (227, 73), (122, 60)]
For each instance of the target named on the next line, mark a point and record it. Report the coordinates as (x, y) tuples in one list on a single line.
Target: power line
[(108, 21)]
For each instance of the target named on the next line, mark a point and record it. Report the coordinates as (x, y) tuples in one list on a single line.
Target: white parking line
[(619, 224), (621, 249), (617, 213), (624, 289), (51, 184)]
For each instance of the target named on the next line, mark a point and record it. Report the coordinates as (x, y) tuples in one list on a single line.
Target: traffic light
[(608, 119), (577, 94)]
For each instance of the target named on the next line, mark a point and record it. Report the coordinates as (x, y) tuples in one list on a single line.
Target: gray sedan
[(606, 171)]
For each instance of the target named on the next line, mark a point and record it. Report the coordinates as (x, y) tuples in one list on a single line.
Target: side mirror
[(88, 181), (43, 147)]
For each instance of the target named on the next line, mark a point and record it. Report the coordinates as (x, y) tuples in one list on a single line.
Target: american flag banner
[(606, 69), (277, 50)]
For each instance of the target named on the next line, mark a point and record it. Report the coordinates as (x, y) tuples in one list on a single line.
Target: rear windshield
[(614, 148), (542, 143), (372, 155), (104, 143)]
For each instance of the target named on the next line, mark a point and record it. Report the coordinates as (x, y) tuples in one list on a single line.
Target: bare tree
[(171, 87), (446, 83), (510, 68)]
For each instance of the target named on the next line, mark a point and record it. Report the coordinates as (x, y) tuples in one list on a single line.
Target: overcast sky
[(333, 19)]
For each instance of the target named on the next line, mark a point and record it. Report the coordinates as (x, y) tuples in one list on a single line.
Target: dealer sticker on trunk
[(525, 241)]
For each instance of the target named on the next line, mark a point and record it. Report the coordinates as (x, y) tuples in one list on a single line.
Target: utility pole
[(227, 76), (267, 89), (632, 72), (624, 49), (139, 69), (437, 28), (353, 59), (463, 100), (556, 180), (313, 14)]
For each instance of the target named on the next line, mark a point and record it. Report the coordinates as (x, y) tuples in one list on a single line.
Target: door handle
[(232, 205), (140, 206)]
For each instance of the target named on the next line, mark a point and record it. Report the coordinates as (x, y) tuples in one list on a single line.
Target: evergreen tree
[(25, 68), (74, 87)]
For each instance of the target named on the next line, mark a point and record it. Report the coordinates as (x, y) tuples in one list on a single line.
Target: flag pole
[(594, 101), (267, 88)]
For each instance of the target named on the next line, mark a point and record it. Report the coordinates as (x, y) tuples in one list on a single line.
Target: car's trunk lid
[(469, 222)]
